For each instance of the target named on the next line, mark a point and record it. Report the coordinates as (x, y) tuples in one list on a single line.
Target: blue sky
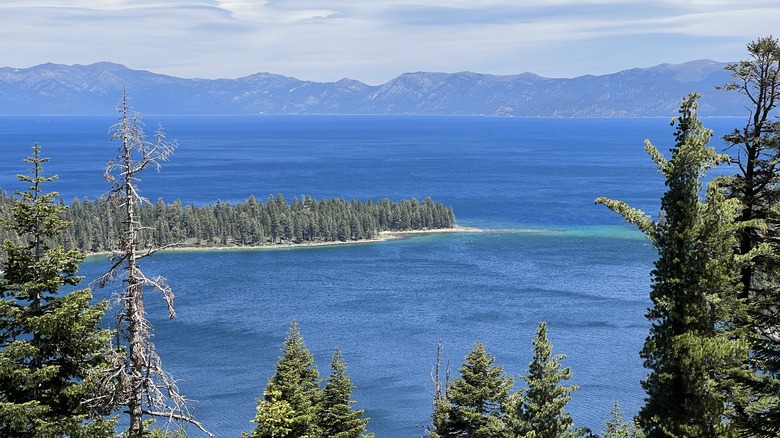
[(376, 40)]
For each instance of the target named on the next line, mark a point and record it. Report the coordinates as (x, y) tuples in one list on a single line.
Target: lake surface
[(547, 252)]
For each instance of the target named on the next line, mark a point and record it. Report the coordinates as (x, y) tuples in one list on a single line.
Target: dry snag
[(138, 380)]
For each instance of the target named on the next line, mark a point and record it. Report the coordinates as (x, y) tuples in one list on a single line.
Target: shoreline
[(384, 236)]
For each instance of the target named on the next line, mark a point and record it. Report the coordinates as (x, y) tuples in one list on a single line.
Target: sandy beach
[(382, 237)]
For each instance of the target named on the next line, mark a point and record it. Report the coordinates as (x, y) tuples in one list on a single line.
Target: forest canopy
[(250, 223)]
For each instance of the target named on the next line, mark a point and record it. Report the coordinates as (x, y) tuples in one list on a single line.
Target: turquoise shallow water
[(548, 253)]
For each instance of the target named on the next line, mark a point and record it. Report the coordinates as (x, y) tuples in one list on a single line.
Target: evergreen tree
[(476, 401), (337, 419), (692, 346), (51, 346), (617, 428), (442, 425), (756, 150), (275, 417), (539, 410), (98, 224), (291, 399)]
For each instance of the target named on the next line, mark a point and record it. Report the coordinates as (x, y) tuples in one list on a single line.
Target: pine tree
[(291, 399), (617, 428), (756, 150), (337, 419), (442, 425), (476, 401), (539, 410), (692, 346), (51, 346)]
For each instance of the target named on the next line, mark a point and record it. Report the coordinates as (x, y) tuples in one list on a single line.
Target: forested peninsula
[(96, 226)]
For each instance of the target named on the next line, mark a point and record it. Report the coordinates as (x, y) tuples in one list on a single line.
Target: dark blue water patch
[(487, 316), (511, 171)]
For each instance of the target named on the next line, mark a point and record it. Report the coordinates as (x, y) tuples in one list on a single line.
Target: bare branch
[(178, 417), (153, 250), (141, 383)]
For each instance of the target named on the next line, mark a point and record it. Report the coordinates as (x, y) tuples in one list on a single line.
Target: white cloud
[(374, 40)]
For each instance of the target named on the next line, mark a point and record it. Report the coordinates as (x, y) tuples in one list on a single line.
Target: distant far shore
[(382, 237)]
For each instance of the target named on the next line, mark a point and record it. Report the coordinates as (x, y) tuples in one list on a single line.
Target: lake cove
[(547, 252)]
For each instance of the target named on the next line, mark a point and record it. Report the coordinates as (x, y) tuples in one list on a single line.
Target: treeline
[(479, 402), (96, 226)]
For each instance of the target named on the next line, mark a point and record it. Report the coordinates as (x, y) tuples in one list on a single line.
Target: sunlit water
[(547, 253)]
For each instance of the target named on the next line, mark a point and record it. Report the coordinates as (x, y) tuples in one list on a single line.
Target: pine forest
[(251, 223)]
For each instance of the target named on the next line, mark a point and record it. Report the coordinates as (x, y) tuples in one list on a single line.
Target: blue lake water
[(548, 253)]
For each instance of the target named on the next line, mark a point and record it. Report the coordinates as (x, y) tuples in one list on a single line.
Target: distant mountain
[(639, 92)]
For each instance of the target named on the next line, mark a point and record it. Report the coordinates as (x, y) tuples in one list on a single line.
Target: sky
[(374, 41)]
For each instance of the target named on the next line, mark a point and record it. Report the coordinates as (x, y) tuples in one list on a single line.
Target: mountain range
[(639, 92)]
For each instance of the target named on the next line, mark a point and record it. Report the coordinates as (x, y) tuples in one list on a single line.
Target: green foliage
[(293, 405), (617, 428), (642, 220), (692, 347), (539, 410), (337, 419), (290, 403), (756, 149), (275, 417), (51, 346), (156, 432), (441, 424), (475, 403), (96, 225)]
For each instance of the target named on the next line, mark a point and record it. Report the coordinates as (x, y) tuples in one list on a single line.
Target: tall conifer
[(51, 346), (290, 402), (337, 419), (476, 402), (755, 148), (539, 409), (691, 348)]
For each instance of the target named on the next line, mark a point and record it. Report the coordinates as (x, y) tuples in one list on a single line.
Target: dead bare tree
[(139, 381), (442, 391), (441, 398)]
